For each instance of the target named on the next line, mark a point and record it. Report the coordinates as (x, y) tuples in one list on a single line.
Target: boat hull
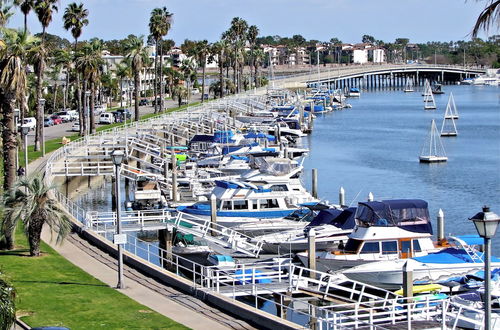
[(433, 159)]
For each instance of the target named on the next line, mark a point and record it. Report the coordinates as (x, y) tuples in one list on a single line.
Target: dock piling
[(315, 183), (312, 251), (213, 212), (440, 226), (370, 197), (174, 170), (341, 197)]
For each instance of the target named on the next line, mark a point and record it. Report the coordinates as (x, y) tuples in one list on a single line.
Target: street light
[(486, 223), (87, 120), (42, 105), (24, 131), (117, 157)]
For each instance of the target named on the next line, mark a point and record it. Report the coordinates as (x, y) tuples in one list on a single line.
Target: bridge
[(377, 76)]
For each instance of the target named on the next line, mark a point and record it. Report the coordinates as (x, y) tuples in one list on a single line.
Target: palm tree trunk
[(221, 74), (92, 107), (203, 81), (84, 109), (161, 78), (121, 93), (81, 116), (25, 23), (34, 235), (54, 105), (155, 85), (9, 154), (256, 73), (136, 92), (65, 96), (39, 111)]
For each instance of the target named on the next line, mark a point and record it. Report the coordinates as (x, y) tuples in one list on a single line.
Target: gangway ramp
[(102, 222)]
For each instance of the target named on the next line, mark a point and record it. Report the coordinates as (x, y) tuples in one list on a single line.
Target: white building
[(360, 56), (379, 55)]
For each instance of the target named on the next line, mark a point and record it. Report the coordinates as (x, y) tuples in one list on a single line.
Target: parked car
[(125, 113), (73, 114), (65, 116), (106, 118), (143, 102), (76, 126), (29, 122), (47, 122), (56, 119)]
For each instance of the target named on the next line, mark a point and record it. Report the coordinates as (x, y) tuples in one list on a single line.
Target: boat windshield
[(411, 214), (352, 246), (275, 166)]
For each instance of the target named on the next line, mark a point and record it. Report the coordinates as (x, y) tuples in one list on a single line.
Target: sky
[(347, 20)]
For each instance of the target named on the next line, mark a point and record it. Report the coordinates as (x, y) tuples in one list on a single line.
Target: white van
[(73, 114), (29, 122), (106, 118)]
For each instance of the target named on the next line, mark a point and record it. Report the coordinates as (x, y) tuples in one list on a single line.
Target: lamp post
[(24, 131), (87, 120), (486, 223), (42, 105), (119, 239)]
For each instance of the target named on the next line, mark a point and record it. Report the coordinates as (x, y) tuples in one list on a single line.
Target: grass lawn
[(53, 292)]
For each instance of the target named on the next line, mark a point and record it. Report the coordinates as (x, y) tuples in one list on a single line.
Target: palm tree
[(138, 57), (253, 32), (181, 93), (189, 72), (29, 201), (44, 10), (75, 18), (238, 35), (5, 14), (13, 84), (123, 72), (7, 304), (258, 56), (89, 62), (488, 16), (219, 49), (63, 59), (202, 52), (159, 25), (26, 6)]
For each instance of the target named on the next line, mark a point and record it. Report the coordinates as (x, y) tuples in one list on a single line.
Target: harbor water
[(374, 147)]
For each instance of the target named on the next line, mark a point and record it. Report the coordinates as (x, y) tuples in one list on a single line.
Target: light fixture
[(486, 222), (42, 102), (25, 130), (117, 157)]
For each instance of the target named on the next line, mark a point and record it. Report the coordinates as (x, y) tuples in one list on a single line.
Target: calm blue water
[(374, 147)]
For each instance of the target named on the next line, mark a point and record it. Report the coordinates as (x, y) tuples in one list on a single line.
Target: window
[(255, 204), (416, 246), (371, 247), (240, 205), (279, 187), (269, 203), (226, 205), (390, 247)]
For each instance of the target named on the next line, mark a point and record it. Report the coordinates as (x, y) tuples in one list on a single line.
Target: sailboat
[(448, 127), (433, 150), (429, 103), (409, 85), (451, 108)]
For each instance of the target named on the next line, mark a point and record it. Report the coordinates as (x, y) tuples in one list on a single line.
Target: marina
[(258, 267)]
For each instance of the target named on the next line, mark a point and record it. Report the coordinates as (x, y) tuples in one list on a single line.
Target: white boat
[(433, 150), (448, 126), (242, 202), (409, 85), (451, 108), (491, 78), (434, 267), (331, 226), (147, 195), (385, 230), (354, 92)]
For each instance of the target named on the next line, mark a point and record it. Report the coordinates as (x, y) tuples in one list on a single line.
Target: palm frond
[(488, 16)]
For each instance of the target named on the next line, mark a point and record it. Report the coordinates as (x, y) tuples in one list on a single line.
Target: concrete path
[(165, 300)]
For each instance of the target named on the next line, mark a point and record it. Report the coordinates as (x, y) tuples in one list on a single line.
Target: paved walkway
[(165, 300)]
